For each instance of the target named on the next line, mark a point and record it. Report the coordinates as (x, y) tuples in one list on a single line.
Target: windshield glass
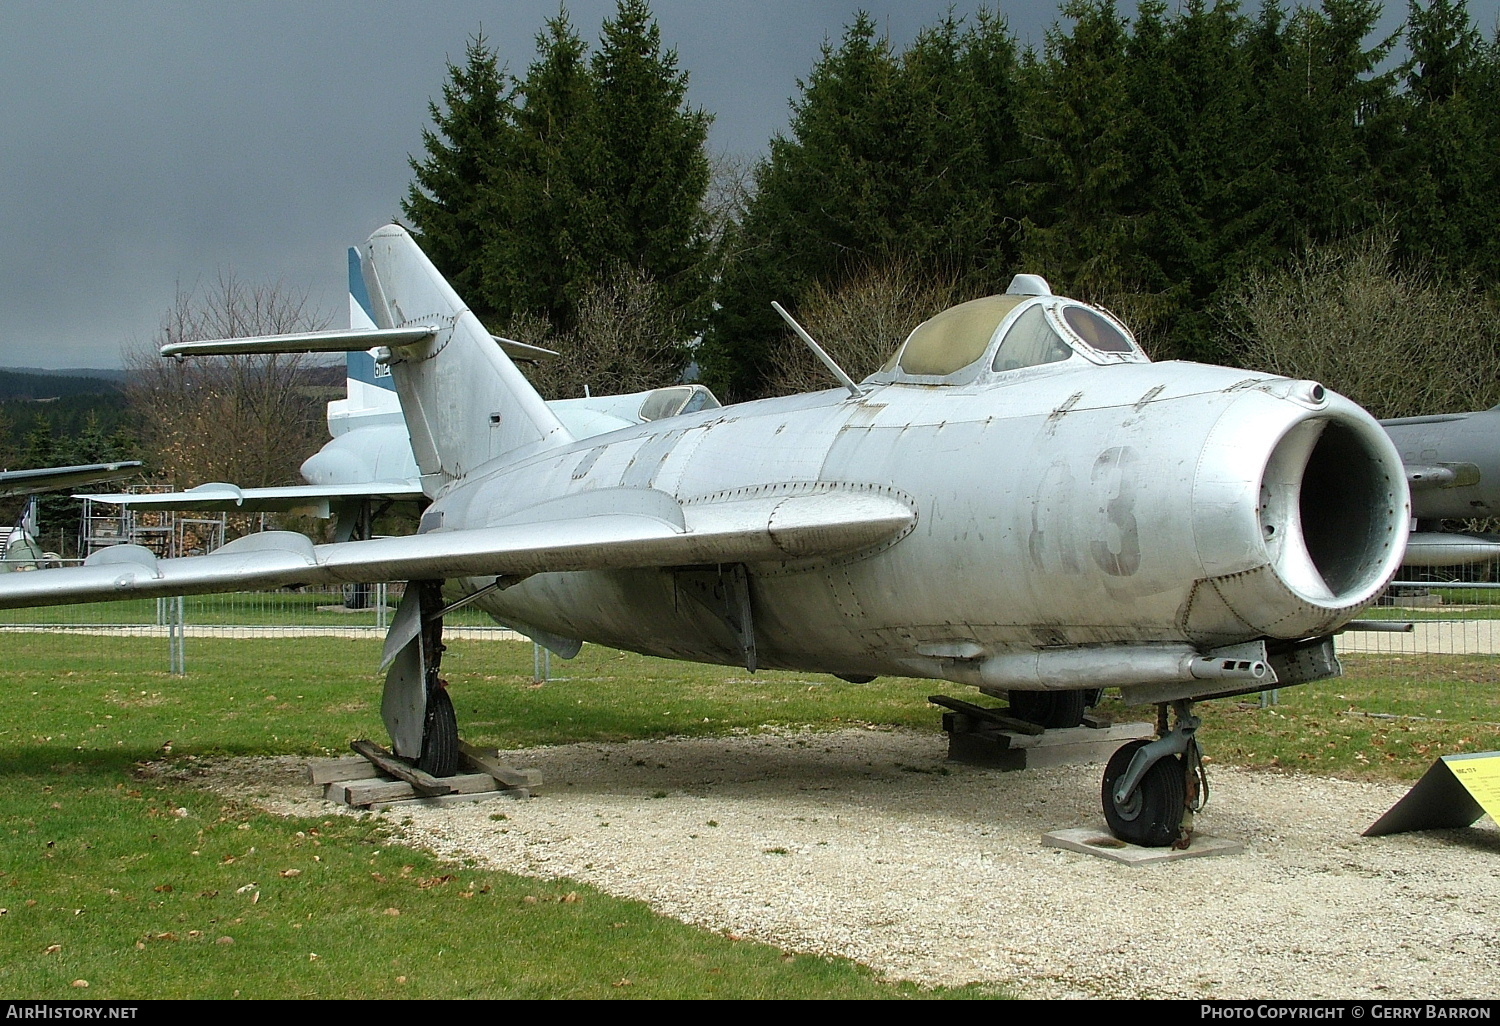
[(1097, 331), (956, 337), (1030, 342)]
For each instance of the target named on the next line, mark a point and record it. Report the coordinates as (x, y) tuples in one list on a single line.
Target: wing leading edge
[(313, 499), (660, 533), (46, 479)]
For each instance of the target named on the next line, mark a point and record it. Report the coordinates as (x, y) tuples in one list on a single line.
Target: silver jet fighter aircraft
[(1453, 468), (19, 548), (1019, 500)]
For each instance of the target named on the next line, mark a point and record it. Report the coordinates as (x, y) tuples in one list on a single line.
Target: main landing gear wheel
[(1050, 709), (1152, 816), (439, 735)]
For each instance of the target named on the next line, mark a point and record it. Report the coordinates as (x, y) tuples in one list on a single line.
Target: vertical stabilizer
[(364, 374), (465, 402), (370, 391)]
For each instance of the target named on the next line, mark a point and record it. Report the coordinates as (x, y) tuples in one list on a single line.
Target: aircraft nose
[(1331, 511)]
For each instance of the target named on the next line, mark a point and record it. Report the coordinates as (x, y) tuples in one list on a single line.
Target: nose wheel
[(1151, 814), (1151, 787)]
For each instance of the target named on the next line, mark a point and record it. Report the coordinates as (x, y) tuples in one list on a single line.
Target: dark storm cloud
[(148, 145)]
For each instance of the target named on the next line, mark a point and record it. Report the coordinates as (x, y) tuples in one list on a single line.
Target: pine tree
[(537, 194), (653, 171), (543, 244), (1443, 184), (890, 159), (1084, 195), (809, 215), (450, 200)]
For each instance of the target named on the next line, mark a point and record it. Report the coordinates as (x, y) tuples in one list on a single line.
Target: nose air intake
[(1328, 528), (1328, 512)]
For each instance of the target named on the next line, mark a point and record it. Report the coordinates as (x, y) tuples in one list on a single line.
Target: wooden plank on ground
[(369, 791), (979, 712), (422, 783), (487, 760), (328, 771)]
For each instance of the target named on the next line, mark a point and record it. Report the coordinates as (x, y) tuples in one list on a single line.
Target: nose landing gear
[(1151, 788)]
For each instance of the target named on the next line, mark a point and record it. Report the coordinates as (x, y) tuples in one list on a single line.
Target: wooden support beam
[(487, 760), (423, 784), (979, 712)]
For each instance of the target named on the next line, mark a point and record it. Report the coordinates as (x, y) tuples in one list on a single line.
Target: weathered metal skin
[(1020, 499), (1453, 467), (1170, 506)]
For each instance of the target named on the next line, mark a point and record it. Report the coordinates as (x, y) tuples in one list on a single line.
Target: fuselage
[(1056, 506)]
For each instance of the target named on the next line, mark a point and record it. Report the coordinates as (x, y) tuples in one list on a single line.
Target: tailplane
[(465, 403)]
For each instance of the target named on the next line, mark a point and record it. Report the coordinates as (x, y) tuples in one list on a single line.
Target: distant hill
[(107, 373), (31, 383)]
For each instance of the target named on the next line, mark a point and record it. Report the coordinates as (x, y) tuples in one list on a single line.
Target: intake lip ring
[(1333, 508)]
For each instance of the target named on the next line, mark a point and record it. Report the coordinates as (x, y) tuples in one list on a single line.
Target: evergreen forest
[(1277, 186), (1179, 166)]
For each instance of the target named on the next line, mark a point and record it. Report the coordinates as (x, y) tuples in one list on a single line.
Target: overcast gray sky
[(147, 144)]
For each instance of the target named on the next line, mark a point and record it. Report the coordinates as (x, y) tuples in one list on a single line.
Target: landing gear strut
[(1151, 788), (416, 707)]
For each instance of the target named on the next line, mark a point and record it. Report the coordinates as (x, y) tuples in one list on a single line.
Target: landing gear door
[(403, 707)]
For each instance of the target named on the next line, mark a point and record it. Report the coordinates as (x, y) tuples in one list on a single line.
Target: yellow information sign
[(1480, 775), (1455, 792)]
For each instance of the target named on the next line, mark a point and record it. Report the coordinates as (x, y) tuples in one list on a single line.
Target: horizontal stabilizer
[(353, 340), (314, 499), (771, 528), (340, 341)]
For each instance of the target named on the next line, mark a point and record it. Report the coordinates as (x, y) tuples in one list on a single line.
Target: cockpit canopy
[(1025, 327)]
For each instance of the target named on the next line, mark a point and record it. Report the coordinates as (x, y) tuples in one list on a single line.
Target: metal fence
[(1456, 615), (1452, 611), (304, 612)]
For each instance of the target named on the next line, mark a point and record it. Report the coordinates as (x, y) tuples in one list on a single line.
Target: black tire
[(439, 736), (1050, 709), (1153, 816)]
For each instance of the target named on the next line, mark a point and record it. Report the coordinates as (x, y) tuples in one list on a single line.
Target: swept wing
[(45, 479), (647, 528)]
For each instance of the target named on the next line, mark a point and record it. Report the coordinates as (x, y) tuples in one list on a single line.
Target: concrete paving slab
[(1089, 841)]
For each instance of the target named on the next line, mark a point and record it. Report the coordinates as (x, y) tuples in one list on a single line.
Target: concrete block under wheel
[(1099, 843)]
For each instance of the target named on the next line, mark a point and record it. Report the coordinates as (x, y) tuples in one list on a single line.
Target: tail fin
[(364, 374), (465, 402), (369, 389)]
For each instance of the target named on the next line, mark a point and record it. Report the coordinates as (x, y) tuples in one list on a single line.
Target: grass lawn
[(147, 889), (152, 889)]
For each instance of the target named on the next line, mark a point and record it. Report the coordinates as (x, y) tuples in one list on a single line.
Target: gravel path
[(868, 844)]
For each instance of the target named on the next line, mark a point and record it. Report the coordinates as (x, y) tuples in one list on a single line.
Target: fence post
[(176, 637)]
